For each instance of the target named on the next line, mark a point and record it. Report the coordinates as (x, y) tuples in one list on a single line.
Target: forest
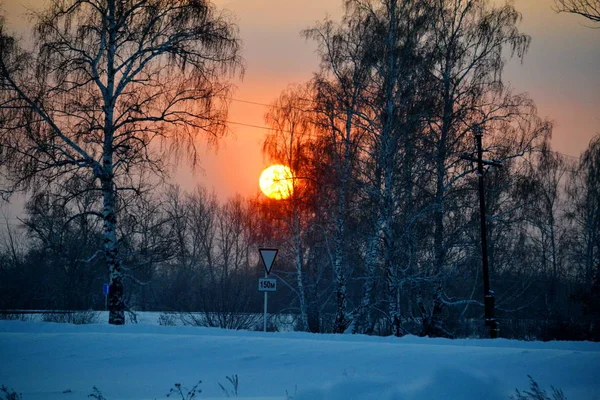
[(381, 234)]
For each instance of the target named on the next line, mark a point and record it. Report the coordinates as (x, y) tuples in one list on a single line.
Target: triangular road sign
[(268, 256)]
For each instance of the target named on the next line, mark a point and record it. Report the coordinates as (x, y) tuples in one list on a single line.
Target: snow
[(143, 361)]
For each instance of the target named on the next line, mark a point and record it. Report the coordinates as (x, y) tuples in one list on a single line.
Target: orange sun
[(276, 182)]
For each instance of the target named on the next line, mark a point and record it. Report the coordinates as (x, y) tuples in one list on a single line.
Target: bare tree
[(472, 39), (107, 79), (341, 85), (584, 214), (544, 196), (63, 242), (211, 270), (589, 9), (146, 241), (290, 143), (224, 275), (400, 96)]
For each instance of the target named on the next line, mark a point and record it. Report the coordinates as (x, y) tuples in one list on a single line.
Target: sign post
[(265, 284), (265, 309), (105, 290)]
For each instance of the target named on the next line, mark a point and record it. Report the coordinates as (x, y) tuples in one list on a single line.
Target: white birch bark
[(106, 80)]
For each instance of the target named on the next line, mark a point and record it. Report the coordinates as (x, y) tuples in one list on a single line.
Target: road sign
[(105, 290), (268, 256), (267, 285), (264, 284)]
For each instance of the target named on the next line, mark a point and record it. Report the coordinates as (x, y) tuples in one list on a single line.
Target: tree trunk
[(340, 323), (362, 315), (339, 268), (389, 140), (442, 154), (391, 266), (299, 275), (116, 305)]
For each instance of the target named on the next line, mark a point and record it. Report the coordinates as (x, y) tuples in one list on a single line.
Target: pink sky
[(561, 73)]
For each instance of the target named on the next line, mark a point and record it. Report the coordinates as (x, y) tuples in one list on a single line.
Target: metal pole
[(265, 315), (488, 299)]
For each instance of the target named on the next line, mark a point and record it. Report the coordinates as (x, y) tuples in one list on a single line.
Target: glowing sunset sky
[(561, 73)]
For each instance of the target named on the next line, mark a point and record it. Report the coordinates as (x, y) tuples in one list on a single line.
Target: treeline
[(381, 234), (383, 226), (182, 252), (186, 252)]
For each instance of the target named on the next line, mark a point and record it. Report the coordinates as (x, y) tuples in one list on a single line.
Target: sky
[(561, 72)]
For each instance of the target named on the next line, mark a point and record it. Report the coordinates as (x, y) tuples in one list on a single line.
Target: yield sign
[(268, 256)]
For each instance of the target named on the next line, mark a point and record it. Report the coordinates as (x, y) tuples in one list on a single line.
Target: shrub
[(14, 316), (234, 381), (537, 393), (167, 319), (75, 317), (225, 319), (9, 394), (131, 316), (184, 393), (97, 394)]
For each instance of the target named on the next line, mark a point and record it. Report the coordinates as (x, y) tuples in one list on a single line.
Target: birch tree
[(470, 38), (544, 194), (289, 144), (584, 210), (346, 60), (396, 108), (589, 9), (106, 81)]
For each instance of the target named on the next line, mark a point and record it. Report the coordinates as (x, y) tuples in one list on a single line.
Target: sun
[(276, 182)]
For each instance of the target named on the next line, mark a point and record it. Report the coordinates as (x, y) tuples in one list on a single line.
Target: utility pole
[(488, 294)]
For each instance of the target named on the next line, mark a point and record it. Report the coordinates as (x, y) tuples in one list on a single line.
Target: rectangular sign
[(267, 285), (105, 288)]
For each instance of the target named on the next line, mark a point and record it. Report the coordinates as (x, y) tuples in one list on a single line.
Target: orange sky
[(561, 73)]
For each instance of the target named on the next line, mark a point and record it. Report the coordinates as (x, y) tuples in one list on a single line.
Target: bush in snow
[(167, 319), (12, 316), (291, 396), (131, 316), (97, 394), (537, 393), (184, 393), (8, 394), (75, 317), (177, 390), (222, 319), (234, 381)]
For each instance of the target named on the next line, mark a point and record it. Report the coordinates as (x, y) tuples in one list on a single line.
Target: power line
[(271, 129), (251, 102), (250, 125), (565, 155), (274, 106)]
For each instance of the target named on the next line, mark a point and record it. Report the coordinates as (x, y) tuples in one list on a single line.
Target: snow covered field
[(143, 361)]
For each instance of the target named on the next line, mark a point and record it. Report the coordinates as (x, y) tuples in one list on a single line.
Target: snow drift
[(61, 361)]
